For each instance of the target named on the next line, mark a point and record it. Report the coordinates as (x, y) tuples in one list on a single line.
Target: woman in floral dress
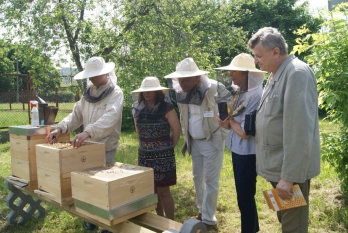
[(158, 128)]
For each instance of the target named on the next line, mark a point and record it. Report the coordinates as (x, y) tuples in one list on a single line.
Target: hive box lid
[(26, 130), (116, 171), (29, 130)]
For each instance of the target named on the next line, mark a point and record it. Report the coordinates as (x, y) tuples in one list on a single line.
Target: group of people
[(285, 149)]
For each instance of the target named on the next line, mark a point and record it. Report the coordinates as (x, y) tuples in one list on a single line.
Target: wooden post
[(56, 97), (9, 98), (28, 96), (23, 99), (77, 96)]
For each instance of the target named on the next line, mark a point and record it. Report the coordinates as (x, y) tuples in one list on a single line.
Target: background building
[(333, 3)]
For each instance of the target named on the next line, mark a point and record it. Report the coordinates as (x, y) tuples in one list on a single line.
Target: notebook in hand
[(276, 203)]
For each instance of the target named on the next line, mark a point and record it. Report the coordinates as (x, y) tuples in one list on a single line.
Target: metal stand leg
[(190, 226), (26, 208)]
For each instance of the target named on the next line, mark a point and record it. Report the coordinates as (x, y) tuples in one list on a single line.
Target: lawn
[(327, 210), (19, 116)]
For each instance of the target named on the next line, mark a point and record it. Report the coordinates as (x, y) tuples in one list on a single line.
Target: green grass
[(328, 213), (19, 116)]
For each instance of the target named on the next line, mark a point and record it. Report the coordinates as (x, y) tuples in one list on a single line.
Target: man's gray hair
[(269, 38)]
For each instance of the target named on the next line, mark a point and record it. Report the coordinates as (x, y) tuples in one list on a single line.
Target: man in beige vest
[(203, 136)]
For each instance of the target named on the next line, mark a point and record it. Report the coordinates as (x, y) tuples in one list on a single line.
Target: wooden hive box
[(23, 152), (112, 194), (56, 162)]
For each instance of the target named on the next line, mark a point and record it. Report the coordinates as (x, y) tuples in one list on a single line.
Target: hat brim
[(145, 89), (185, 74), (108, 67), (230, 67)]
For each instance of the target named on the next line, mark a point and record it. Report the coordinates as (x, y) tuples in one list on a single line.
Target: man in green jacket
[(287, 129)]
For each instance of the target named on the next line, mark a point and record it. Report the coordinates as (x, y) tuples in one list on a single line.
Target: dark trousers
[(295, 220), (244, 168)]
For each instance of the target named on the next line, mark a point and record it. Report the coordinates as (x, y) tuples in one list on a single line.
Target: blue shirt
[(233, 141)]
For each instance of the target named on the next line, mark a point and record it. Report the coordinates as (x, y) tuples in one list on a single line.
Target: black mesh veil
[(238, 100), (137, 107), (195, 96)]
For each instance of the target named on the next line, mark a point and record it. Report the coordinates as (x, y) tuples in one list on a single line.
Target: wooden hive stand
[(144, 223)]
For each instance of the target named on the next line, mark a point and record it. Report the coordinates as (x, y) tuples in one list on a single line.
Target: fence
[(14, 99), (15, 109), (16, 92)]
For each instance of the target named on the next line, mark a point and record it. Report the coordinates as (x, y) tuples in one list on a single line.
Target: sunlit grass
[(326, 126)]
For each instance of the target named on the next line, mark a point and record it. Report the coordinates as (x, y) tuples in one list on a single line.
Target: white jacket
[(102, 120)]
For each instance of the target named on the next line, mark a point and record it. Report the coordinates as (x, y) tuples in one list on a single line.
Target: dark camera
[(249, 124), (223, 110)]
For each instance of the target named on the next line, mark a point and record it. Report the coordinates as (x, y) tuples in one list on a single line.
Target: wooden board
[(67, 201), (118, 220), (157, 222)]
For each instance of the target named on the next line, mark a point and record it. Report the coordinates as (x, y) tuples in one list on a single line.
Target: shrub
[(329, 52), (334, 150)]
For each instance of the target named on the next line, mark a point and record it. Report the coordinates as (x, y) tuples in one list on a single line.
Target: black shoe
[(198, 217), (105, 231), (89, 226)]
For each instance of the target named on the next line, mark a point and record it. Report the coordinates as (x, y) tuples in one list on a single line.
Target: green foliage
[(32, 61), (127, 119), (334, 150), (143, 37), (167, 32), (6, 65), (284, 15), (25, 59), (328, 57), (66, 97), (329, 52), (147, 37)]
